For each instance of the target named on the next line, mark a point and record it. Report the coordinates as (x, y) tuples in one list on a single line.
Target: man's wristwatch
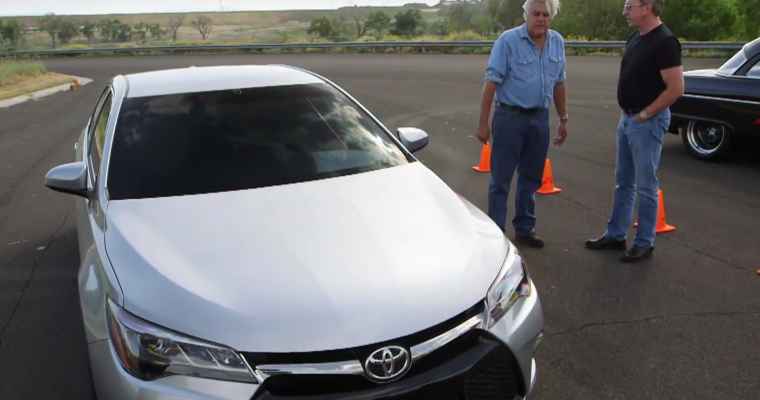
[(643, 115), (564, 118)]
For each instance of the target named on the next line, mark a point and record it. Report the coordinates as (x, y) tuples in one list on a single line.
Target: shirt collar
[(523, 32)]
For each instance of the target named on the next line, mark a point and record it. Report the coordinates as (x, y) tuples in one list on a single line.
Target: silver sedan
[(253, 232)]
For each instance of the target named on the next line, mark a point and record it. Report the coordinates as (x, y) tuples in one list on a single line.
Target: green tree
[(141, 32), (67, 30), (322, 27), (593, 19), (459, 17), (439, 28), (409, 23), (12, 32), (506, 13), (88, 30), (747, 26), (156, 32), (701, 20), (484, 25), (361, 26), (378, 21), (51, 23)]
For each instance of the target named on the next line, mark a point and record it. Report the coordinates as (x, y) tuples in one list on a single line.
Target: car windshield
[(208, 142), (733, 63)]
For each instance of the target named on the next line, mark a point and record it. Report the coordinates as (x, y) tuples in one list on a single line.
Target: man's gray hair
[(552, 5), (656, 6)]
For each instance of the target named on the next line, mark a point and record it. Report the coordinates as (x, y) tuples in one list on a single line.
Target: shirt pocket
[(553, 67), (526, 69)]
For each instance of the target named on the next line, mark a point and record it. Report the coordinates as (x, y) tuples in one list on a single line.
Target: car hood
[(312, 266), (710, 73)]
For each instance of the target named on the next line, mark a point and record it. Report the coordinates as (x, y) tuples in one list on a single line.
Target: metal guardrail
[(266, 46)]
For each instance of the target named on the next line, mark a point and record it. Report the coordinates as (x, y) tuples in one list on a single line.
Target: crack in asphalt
[(35, 264), (649, 319), (694, 249)]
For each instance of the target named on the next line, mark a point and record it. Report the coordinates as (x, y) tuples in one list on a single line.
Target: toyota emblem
[(387, 364)]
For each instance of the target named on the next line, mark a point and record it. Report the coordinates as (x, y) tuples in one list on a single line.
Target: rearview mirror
[(413, 139), (68, 178)]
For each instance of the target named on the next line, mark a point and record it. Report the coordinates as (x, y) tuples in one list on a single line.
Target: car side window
[(754, 72), (98, 134)]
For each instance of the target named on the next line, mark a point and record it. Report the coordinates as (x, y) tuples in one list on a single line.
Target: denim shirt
[(524, 75)]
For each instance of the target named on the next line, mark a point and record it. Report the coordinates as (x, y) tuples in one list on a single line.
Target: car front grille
[(500, 380), (361, 353), (475, 366)]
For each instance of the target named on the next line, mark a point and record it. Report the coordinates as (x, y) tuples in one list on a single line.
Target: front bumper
[(462, 362)]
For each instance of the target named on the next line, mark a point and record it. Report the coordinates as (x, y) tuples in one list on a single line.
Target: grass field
[(260, 19), (242, 28), (185, 35), (227, 27), (22, 77)]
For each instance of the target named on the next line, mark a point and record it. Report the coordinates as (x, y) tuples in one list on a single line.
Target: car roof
[(205, 79), (752, 47)]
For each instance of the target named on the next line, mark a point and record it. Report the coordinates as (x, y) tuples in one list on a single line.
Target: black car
[(719, 104)]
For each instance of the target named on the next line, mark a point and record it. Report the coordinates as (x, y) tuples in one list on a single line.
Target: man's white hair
[(552, 5)]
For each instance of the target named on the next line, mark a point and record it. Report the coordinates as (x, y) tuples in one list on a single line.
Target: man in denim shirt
[(526, 72)]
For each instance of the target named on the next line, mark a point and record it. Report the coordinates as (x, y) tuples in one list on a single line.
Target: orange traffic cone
[(485, 159), (662, 226), (547, 183)]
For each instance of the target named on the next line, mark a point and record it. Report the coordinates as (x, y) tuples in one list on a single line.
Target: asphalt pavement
[(682, 325)]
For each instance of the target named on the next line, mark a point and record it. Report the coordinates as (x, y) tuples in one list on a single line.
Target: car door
[(89, 211)]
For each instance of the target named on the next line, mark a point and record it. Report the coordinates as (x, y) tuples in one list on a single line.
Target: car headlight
[(512, 283), (148, 352)]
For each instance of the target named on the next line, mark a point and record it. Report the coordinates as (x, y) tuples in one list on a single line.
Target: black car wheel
[(707, 140)]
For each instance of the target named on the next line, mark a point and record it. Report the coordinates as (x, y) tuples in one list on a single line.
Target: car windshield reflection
[(734, 63), (221, 141)]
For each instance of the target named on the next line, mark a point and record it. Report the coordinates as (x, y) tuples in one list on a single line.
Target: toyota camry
[(253, 232)]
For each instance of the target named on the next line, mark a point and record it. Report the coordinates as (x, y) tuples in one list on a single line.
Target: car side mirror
[(69, 178), (413, 139)]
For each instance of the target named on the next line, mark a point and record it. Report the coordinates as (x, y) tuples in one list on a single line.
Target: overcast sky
[(39, 7)]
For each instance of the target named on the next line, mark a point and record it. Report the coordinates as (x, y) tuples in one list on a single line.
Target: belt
[(633, 111), (521, 110)]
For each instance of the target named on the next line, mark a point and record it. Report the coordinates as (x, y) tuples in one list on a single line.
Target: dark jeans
[(520, 141)]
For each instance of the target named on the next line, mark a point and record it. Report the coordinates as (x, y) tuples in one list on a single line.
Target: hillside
[(260, 19)]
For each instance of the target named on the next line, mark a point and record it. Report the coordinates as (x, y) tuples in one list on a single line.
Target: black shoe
[(636, 253), (605, 243), (532, 240)]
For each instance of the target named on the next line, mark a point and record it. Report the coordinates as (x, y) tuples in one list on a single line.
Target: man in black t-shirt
[(651, 79)]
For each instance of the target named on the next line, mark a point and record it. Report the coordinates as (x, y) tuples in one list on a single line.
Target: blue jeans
[(520, 141), (638, 156)]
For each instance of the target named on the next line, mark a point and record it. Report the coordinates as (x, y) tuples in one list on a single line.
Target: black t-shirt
[(640, 82)]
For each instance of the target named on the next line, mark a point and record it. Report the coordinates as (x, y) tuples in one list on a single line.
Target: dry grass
[(10, 70), (18, 78), (260, 19), (227, 27), (221, 34)]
